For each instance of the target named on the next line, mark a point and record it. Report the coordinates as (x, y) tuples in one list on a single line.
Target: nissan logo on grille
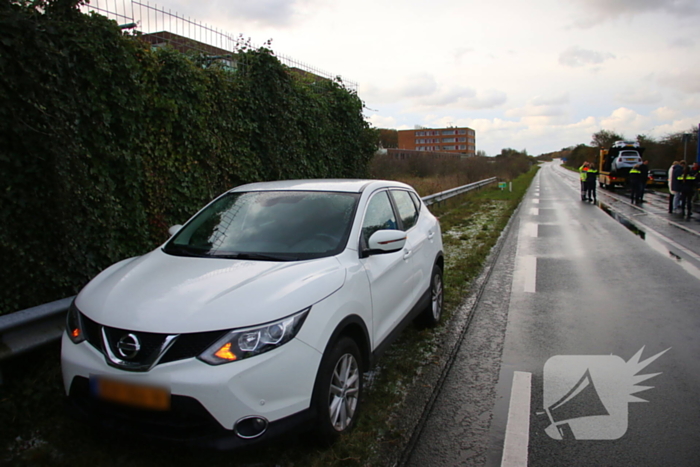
[(128, 346)]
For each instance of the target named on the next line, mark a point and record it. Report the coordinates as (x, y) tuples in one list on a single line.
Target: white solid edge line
[(517, 437)]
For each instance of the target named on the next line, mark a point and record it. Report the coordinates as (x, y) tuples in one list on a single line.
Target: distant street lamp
[(686, 138)]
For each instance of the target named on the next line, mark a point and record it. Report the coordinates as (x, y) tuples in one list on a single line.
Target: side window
[(406, 207), (379, 216), (416, 201)]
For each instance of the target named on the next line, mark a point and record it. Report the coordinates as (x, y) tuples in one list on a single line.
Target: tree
[(581, 154), (605, 138), (645, 141), (388, 138)]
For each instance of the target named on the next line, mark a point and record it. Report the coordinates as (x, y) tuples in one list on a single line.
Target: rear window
[(629, 154)]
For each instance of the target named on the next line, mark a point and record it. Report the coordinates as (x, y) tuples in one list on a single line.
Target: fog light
[(250, 427)]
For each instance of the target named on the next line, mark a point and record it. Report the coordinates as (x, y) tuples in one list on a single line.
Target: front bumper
[(206, 401)]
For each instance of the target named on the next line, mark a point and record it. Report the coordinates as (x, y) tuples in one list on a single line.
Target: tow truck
[(615, 163)]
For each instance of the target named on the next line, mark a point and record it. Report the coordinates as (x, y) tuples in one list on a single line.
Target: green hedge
[(105, 143)]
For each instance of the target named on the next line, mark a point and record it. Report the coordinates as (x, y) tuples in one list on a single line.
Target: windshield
[(268, 225)]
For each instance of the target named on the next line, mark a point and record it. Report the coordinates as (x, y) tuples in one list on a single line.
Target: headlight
[(243, 343), (74, 325)]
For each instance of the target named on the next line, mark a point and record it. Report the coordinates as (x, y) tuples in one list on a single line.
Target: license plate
[(145, 397)]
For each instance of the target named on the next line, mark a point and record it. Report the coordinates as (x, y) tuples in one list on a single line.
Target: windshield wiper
[(184, 251), (257, 256)]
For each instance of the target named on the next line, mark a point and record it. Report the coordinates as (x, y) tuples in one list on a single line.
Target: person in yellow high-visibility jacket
[(582, 175)]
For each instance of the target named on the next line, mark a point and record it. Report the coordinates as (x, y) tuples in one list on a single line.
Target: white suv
[(260, 314)]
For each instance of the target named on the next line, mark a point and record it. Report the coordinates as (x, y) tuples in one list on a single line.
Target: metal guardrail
[(443, 195), (28, 329)]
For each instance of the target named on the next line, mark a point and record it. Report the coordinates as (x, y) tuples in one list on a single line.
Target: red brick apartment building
[(450, 140)]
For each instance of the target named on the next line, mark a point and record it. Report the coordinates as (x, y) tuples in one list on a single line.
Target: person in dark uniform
[(688, 185), (695, 172), (591, 180), (635, 179)]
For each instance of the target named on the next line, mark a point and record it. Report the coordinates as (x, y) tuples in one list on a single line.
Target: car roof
[(338, 185)]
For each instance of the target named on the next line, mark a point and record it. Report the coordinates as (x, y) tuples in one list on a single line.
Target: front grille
[(186, 346), (92, 332), (151, 343), (191, 345)]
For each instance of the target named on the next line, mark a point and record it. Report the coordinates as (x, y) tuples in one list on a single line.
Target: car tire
[(433, 312), (338, 391)]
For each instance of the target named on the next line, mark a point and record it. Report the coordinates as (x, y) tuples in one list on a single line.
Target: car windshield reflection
[(268, 226)]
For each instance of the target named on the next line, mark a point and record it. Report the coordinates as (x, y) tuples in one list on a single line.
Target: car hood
[(161, 293)]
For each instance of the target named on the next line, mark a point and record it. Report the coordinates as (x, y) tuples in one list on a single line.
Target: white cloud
[(422, 93), (682, 125), (629, 96), (624, 120), (270, 12), (682, 43), (494, 125), (461, 52), (266, 13), (447, 97), (415, 86), (598, 11), (560, 99), (419, 85), (379, 121), (578, 57), (665, 113), (687, 81), (462, 97), (540, 107), (689, 103)]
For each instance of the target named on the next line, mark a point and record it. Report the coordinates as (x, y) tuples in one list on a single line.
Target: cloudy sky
[(537, 75)]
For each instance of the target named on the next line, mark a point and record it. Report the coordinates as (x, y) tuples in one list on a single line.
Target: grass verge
[(35, 429)]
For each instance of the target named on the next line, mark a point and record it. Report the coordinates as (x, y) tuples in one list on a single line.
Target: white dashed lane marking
[(517, 436)]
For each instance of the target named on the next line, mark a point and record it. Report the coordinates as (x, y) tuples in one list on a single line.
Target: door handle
[(431, 234), (406, 254)]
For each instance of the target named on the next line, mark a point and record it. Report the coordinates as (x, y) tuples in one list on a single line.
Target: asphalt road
[(584, 303)]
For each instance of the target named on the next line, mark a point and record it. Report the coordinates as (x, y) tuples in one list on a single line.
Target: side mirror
[(386, 241), (174, 229)]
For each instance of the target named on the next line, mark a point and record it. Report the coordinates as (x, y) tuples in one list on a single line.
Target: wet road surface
[(577, 291)]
